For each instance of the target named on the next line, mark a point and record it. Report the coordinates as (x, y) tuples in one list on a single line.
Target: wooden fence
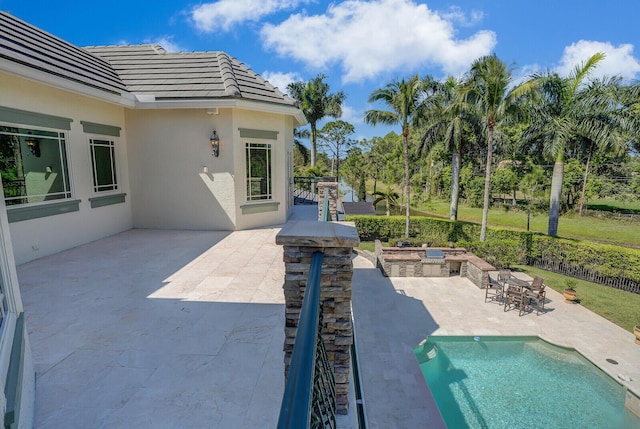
[(578, 272)]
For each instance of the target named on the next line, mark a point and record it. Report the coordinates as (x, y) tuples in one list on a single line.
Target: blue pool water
[(519, 382)]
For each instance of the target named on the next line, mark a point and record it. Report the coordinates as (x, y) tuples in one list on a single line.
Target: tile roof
[(138, 69), (23, 44), (149, 69)]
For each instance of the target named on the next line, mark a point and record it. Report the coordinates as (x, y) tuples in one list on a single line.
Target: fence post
[(336, 239)]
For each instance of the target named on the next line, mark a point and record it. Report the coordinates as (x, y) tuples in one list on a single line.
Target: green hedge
[(503, 247), (604, 259)]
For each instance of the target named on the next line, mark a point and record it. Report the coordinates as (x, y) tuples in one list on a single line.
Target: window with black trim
[(33, 165), (258, 171), (103, 163)]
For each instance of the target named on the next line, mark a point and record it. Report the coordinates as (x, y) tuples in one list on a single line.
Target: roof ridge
[(229, 80)]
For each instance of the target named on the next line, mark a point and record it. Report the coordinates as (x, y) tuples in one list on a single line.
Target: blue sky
[(359, 45)]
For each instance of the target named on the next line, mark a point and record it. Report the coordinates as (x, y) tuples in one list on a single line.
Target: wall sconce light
[(33, 144), (215, 143)]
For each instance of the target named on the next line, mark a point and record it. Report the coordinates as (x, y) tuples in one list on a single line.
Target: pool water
[(519, 382)]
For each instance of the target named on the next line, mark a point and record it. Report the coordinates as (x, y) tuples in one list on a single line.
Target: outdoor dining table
[(514, 281)]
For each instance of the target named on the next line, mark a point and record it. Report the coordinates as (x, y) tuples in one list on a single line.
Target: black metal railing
[(309, 399), (305, 188)]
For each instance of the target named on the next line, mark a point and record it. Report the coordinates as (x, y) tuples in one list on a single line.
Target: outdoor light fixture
[(33, 144), (215, 143)]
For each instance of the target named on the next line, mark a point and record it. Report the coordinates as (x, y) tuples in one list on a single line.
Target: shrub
[(504, 247)]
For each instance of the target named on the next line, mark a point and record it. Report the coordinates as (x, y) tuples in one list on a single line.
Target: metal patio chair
[(516, 297), (536, 299)]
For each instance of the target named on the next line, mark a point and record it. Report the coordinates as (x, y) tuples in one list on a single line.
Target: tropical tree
[(335, 136), (572, 112), (487, 88), (316, 103), (405, 100), (300, 148), (355, 170), (451, 120), (390, 198)]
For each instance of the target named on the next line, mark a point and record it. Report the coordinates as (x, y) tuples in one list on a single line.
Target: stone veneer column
[(336, 239), (332, 189)]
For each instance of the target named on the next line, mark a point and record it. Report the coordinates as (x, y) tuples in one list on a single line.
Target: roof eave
[(123, 99), (147, 101)]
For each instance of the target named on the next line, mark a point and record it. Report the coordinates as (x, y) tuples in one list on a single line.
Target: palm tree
[(450, 120), (316, 103), (390, 198), (486, 87), (571, 111), (298, 135), (405, 100)]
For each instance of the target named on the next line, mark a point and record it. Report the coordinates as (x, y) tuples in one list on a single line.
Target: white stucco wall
[(44, 236), (280, 148), (169, 151)]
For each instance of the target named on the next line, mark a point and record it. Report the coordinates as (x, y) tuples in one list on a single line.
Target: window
[(33, 164), (258, 171), (103, 161)]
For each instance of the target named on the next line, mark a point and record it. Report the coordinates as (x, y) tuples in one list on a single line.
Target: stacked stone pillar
[(336, 239), (330, 189)]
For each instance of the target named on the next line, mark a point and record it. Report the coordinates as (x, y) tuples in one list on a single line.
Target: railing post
[(328, 190), (337, 240)]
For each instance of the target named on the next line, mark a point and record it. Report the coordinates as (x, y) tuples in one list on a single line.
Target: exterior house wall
[(169, 151), (252, 214), (43, 236)]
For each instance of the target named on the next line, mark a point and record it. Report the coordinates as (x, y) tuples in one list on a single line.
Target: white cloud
[(619, 60), (367, 38), (224, 14), (167, 43), (457, 15), (281, 80), (352, 115)]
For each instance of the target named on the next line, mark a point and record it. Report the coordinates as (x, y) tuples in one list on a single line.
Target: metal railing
[(309, 399), (304, 188)]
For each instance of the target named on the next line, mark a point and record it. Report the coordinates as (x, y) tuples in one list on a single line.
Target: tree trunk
[(313, 145), (405, 139), (430, 188), (584, 186), (555, 197), (455, 185), (487, 186)]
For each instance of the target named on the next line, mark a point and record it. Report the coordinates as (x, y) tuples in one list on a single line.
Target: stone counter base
[(411, 262)]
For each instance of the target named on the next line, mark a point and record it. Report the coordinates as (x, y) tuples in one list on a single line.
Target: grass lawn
[(613, 231), (612, 205), (620, 307)]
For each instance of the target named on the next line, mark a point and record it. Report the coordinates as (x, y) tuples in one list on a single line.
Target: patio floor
[(177, 329)]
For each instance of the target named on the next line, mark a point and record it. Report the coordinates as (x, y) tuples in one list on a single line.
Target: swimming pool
[(518, 382)]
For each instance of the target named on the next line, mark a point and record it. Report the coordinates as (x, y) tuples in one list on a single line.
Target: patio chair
[(516, 297), (536, 299), (537, 284), (494, 290), (503, 276)]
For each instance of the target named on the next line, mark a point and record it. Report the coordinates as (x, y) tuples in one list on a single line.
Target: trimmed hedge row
[(504, 247)]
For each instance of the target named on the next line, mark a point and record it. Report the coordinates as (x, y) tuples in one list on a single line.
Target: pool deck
[(176, 329), (392, 316)]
